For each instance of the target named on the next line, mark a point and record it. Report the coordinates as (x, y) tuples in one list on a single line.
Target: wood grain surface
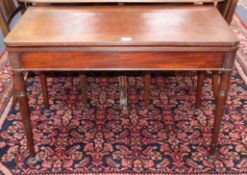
[(122, 25)]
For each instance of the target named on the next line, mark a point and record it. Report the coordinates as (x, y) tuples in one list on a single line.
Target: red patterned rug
[(241, 62), (168, 138)]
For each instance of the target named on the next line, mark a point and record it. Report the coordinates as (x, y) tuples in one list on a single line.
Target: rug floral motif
[(241, 58), (167, 137), (5, 82)]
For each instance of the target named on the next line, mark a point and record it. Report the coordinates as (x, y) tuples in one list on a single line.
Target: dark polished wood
[(227, 9), (23, 103), (8, 10), (132, 26), (123, 91), (144, 38), (215, 83), (220, 103), (106, 60), (43, 81), (215, 86), (201, 76)]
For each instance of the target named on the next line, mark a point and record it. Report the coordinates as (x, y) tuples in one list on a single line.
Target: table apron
[(208, 60)]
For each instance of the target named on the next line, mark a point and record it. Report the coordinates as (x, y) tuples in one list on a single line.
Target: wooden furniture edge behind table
[(226, 7), (9, 10)]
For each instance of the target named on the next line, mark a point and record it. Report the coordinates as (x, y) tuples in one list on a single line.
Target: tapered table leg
[(120, 90), (83, 83), (14, 99), (43, 81), (123, 89), (147, 82), (220, 103), (215, 82), (21, 95), (201, 77)]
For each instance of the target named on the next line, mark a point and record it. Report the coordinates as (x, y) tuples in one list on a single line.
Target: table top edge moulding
[(87, 26)]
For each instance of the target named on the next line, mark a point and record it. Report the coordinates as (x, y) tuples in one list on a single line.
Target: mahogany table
[(121, 38)]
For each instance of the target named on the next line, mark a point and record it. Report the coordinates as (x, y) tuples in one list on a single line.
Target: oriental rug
[(239, 27), (168, 138)]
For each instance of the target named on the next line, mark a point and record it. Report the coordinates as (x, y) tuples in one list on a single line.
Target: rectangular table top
[(122, 25)]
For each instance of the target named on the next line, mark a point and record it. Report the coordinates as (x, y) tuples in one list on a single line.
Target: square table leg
[(22, 98)]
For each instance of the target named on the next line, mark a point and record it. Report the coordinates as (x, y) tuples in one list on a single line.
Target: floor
[(242, 10)]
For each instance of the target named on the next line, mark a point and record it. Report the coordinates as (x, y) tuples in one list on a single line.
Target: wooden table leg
[(21, 95), (83, 82), (123, 90), (14, 101), (43, 82), (120, 89), (201, 76), (215, 82), (147, 82), (221, 100)]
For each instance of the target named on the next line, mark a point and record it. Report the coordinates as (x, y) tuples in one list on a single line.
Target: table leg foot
[(197, 111), (211, 158), (33, 160), (21, 95), (220, 103)]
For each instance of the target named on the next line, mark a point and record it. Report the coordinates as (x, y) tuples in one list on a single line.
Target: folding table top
[(151, 25)]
